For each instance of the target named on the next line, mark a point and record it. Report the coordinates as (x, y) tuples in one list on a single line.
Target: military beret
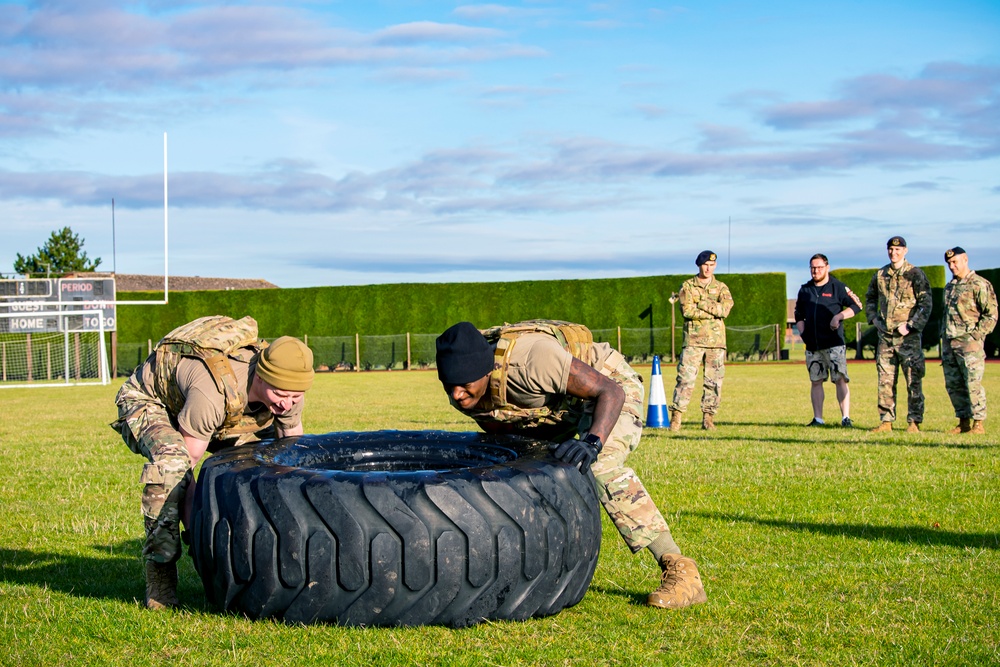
[(704, 256), (897, 241), (957, 250)]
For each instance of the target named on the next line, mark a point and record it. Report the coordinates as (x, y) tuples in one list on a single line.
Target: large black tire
[(394, 528)]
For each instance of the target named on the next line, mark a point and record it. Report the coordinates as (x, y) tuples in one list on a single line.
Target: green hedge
[(431, 307)]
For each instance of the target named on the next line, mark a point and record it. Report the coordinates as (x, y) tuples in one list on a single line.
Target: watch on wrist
[(594, 441)]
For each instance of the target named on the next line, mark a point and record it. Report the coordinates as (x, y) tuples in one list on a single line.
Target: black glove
[(579, 453)]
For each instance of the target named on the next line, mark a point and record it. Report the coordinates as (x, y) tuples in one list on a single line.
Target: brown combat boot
[(706, 421), (978, 428), (161, 585), (883, 427), (964, 426), (675, 421), (913, 427), (680, 584)]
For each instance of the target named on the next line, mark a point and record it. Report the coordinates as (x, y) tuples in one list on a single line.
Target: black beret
[(704, 256), (896, 241), (463, 354), (957, 250)]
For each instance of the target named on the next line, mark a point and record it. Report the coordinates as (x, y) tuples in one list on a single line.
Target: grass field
[(817, 546)]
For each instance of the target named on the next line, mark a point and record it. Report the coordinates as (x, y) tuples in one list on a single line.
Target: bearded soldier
[(898, 304), (548, 379), (705, 304), (970, 314), (208, 384)]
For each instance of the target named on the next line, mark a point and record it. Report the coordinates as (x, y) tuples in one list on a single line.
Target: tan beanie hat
[(286, 364)]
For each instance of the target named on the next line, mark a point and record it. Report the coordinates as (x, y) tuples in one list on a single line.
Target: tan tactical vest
[(496, 414), (214, 340)]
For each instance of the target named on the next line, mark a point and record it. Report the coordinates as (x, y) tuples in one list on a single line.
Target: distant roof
[(131, 282)]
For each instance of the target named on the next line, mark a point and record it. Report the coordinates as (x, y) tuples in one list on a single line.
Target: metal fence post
[(357, 353), (409, 366)]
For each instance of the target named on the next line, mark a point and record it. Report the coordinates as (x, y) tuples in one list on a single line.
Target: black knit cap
[(896, 241), (957, 250), (463, 355), (704, 256)]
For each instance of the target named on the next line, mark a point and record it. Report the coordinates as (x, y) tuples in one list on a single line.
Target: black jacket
[(816, 306)]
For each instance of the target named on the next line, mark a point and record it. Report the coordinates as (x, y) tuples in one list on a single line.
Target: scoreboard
[(46, 305)]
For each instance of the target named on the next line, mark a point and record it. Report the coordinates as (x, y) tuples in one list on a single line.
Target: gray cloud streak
[(83, 48)]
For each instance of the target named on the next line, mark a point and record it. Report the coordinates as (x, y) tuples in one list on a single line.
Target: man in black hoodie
[(820, 310)]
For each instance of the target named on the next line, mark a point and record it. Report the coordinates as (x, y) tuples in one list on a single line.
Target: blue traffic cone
[(656, 414)]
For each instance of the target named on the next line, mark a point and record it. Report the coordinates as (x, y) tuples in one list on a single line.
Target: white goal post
[(74, 355)]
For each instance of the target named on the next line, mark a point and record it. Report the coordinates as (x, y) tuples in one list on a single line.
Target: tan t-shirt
[(204, 408), (538, 370)]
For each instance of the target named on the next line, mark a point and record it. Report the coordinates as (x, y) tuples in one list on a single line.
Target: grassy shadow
[(113, 572), (901, 534), (633, 597), (893, 439)]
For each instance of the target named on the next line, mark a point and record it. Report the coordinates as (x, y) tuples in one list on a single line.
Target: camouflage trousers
[(964, 364), (620, 490), (147, 429), (895, 353), (687, 373)]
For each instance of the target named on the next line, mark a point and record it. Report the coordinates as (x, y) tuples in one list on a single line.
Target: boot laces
[(671, 576)]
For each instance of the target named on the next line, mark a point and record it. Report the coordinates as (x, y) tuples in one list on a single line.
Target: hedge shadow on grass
[(901, 534), (114, 572), (883, 440)]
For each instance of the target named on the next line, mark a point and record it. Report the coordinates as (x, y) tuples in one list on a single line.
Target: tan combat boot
[(977, 427), (913, 427), (706, 421), (883, 427), (675, 421), (161, 585), (680, 584), (964, 426)]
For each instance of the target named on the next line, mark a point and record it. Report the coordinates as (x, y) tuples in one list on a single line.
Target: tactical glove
[(579, 453)]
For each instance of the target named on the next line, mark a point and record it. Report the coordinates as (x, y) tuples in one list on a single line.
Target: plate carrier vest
[(497, 414), (213, 339)]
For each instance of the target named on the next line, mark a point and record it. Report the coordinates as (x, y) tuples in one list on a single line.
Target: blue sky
[(340, 143)]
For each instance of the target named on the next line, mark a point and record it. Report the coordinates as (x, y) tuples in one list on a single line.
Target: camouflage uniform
[(970, 315), (704, 308), (894, 297), (620, 490), (148, 404)]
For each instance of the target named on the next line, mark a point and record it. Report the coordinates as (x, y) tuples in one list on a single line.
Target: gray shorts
[(829, 363)]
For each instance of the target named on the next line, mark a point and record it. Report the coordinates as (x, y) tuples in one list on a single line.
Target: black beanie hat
[(463, 354)]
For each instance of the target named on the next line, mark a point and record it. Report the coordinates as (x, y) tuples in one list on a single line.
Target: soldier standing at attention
[(208, 384), (898, 304), (970, 314), (705, 303), (548, 379)]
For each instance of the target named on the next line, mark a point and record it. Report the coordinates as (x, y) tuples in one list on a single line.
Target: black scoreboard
[(44, 305)]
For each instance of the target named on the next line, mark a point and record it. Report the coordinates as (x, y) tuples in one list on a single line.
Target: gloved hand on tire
[(580, 453)]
